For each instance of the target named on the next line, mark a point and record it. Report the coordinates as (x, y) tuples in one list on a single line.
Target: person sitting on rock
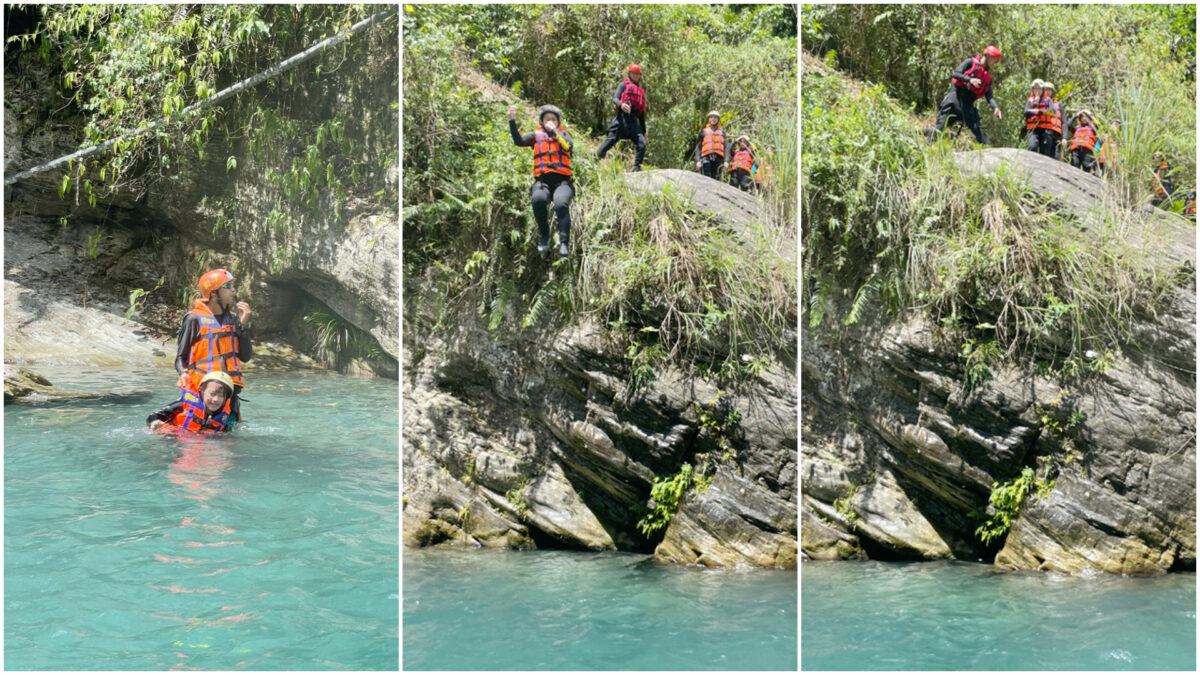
[(711, 147), (971, 81), (1162, 186), (1051, 122), (630, 122), (1083, 141), (740, 165), (1033, 117), (213, 337), (206, 410), (552, 179)]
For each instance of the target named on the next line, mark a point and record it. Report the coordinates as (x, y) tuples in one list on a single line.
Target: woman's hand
[(156, 425), (512, 112), (625, 107)]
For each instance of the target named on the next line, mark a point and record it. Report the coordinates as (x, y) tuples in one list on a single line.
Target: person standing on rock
[(551, 173), (740, 165), (213, 337), (206, 410), (630, 122), (971, 82), (1033, 117), (711, 147), (1161, 184), (1083, 141), (1106, 155), (762, 170), (1052, 122)]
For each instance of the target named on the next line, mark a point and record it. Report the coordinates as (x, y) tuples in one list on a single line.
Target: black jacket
[(628, 120), (960, 76)]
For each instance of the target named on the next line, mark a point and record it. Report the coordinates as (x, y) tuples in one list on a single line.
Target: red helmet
[(992, 51), (213, 280), (635, 68)]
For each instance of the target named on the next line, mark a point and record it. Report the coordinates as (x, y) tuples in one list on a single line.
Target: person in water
[(206, 410), (213, 337)]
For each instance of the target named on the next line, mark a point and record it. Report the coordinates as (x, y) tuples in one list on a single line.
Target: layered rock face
[(899, 458), (538, 439)]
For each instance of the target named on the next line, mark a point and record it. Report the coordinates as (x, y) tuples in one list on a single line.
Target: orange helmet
[(213, 280)]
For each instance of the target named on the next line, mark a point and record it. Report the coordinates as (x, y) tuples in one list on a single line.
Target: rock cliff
[(899, 457), (537, 438)]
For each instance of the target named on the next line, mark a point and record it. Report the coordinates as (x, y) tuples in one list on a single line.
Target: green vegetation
[(336, 342), (517, 497), (891, 225), (667, 493), (719, 420), (845, 506), (668, 282), (1007, 499)]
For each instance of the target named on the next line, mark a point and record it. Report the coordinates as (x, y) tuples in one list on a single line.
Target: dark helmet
[(549, 109)]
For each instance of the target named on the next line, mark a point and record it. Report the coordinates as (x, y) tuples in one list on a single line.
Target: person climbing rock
[(1106, 155), (1162, 185), (711, 147), (1052, 121), (971, 81), (630, 122), (205, 410), (213, 337), (1034, 110), (740, 165), (1083, 141), (552, 179)]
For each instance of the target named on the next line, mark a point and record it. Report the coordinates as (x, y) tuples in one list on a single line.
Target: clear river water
[(967, 616), (569, 610), (272, 548)]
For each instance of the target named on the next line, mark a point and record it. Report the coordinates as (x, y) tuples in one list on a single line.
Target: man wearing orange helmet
[(630, 122), (971, 82), (213, 336)]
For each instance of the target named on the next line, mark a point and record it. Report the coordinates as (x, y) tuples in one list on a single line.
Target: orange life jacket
[(195, 419), (976, 70), (763, 174), (1108, 152), (714, 142), (1189, 204), (215, 349), (1050, 116), (741, 160), (548, 155), (1085, 137), (1159, 190), (1034, 121)]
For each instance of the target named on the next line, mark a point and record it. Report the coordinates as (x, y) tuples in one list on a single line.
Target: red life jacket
[(635, 96), (741, 160), (548, 154), (195, 419), (1085, 137), (215, 349), (714, 142), (976, 70)]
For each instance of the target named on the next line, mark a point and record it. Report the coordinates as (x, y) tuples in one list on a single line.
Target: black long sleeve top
[(528, 140), (961, 79)]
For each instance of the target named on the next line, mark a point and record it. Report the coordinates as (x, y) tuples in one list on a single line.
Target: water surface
[(966, 616), (272, 548), (560, 610)]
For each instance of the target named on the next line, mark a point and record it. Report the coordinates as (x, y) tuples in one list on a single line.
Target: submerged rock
[(900, 458)]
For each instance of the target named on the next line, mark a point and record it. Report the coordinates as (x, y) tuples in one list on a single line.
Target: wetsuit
[(549, 186), (959, 103), (626, 125)]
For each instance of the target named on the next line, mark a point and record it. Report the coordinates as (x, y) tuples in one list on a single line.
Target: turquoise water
[(965, 616), (273, 548), (567, 610)]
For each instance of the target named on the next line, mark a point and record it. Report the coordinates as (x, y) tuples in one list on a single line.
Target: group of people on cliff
[(553, 147), (213, 342), (1091, 150)]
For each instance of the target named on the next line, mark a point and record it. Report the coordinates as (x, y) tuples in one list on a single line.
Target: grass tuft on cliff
[(891, 225)]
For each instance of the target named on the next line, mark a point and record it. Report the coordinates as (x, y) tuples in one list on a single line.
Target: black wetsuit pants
[(624, 131), (959, 104), (740, 179), (1082, 158), (710, 165), (559, 189)]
